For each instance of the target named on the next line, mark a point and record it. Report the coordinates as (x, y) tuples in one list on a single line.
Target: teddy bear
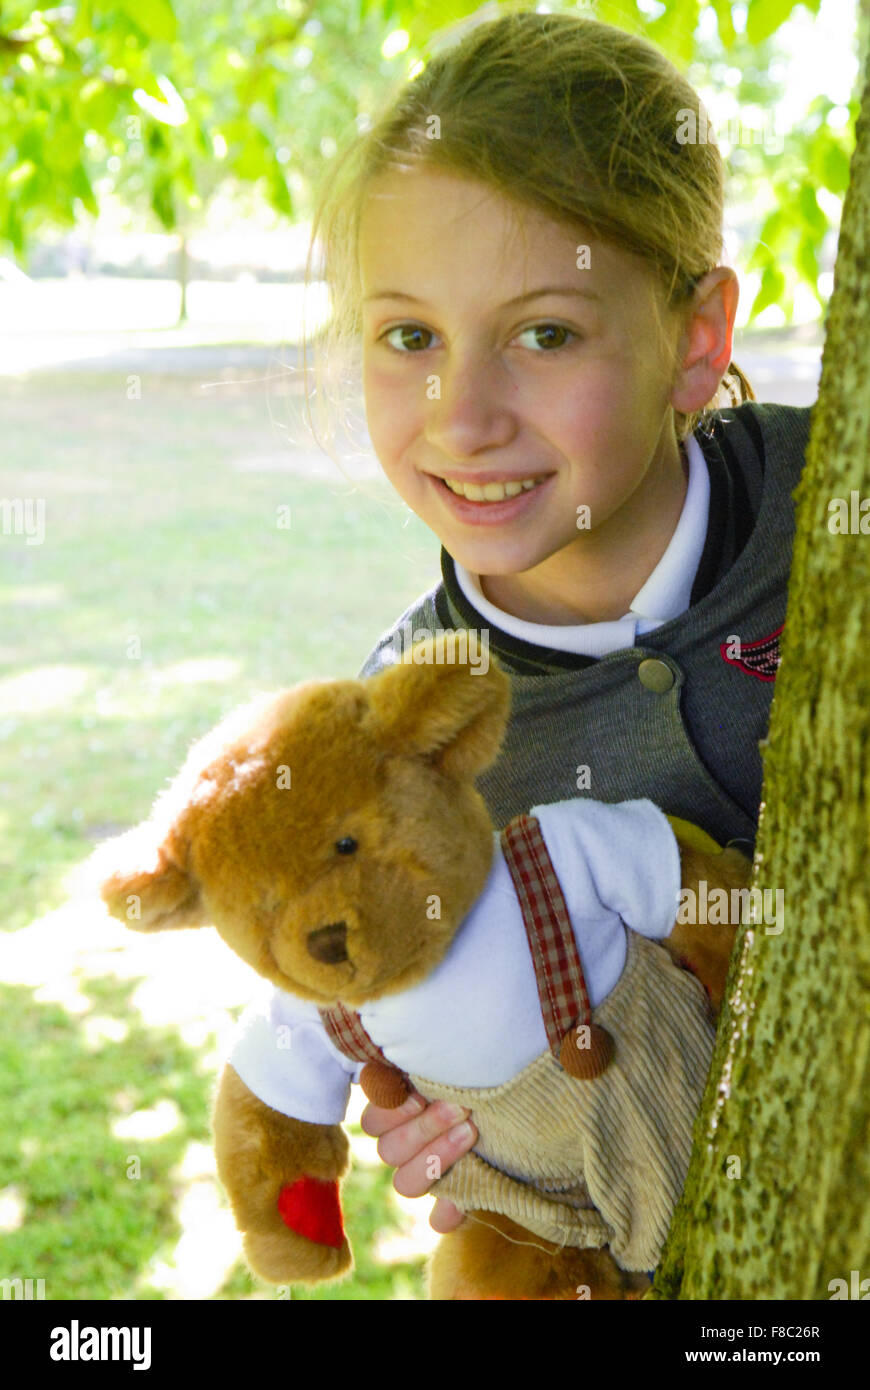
[(539, 974)]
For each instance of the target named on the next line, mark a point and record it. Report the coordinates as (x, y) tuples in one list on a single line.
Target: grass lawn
[(167, 588)]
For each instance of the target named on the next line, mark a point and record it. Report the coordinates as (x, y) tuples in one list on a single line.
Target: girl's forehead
[(430, 223), (432, 200)]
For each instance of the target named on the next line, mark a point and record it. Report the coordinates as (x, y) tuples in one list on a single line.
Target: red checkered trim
[(559, 973), (346, 1030)]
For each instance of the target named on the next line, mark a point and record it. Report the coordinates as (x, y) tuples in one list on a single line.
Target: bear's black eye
[(347, 845)]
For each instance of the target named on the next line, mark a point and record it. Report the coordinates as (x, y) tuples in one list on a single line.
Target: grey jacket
[(680, 718)]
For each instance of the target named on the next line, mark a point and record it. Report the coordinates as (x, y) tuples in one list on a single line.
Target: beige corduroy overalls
[(581, 1162)]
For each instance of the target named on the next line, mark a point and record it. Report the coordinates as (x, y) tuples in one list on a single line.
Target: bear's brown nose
[(329, 944)]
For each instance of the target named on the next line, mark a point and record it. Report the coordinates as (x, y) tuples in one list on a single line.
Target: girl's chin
[(492, 561)]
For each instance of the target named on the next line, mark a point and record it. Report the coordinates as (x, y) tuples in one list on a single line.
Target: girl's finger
[(416, 1138), (416, 1176), (375, 1120), (445, 1217)]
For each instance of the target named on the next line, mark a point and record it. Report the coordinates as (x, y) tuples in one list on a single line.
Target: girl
[(526, 247)]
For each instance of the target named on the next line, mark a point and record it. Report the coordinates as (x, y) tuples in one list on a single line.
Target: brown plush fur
[(245, 839), (706, 947), (490, 1256), (254, 1144)]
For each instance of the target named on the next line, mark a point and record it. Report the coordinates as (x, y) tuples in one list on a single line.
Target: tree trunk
[(776, 1201), (182, 277)]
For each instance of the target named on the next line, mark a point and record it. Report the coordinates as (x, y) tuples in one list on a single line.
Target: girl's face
[(511, 378)]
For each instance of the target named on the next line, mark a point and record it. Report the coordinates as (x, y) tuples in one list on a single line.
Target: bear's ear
[(143, 883), (445, 700)]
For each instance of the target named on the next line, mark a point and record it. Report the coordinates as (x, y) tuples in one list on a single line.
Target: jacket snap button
[(655, 675)]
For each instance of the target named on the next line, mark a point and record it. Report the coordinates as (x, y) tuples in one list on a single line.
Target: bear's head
[(331, 832)]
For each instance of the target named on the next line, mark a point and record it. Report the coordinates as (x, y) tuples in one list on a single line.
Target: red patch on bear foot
[(312, 1209)]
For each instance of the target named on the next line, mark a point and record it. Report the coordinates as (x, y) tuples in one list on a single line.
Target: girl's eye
[(411, 337), (549, 336)]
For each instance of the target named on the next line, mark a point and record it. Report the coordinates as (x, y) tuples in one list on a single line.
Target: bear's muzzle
[(329, 944)]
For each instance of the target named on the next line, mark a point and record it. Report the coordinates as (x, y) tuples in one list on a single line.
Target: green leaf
[(808, 263), (724, 22), (83, 23), (96, 108), (31, 144), (80, 187), (770, 291), (23, 171), (776, 231), (155, 139), (674, 31), (835, 168), (279, 194), (776, 227), (13, 231), (185, 179), (156, 18), (765, 17), (91, 88), (252, 157), (423, 17), (810, 211), (163, 203)]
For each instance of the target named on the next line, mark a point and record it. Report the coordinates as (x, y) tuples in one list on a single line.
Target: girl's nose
[(469, 409)]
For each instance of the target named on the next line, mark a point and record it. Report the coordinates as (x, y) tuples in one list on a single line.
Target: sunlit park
[(176, 535)]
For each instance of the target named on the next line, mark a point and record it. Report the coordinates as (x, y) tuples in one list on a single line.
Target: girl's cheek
[(386, 444), (394, 408), (585, 410)]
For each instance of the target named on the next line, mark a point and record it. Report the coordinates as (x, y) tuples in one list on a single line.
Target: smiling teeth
[(492, 492)]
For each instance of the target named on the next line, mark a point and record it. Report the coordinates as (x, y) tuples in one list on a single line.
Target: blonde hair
[(571, 116)]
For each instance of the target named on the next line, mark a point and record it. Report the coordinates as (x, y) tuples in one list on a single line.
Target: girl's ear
[(147, 888), (444, 701), (706, 342)]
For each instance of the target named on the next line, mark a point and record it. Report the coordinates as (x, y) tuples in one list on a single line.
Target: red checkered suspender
[(345, 1029), (561, 982), (558, 971)]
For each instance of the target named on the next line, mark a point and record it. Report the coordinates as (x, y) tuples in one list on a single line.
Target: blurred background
[(159, 161)]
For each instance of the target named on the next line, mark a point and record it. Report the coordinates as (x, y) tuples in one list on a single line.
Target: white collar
[(664, 595)]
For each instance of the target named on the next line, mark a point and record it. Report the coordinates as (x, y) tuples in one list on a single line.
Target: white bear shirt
[(476, 1019)]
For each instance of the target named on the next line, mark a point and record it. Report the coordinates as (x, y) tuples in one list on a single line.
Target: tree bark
[(776, 1200)]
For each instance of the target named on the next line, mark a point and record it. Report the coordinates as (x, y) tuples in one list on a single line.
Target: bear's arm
[(621, 858), (279, 1145), (632, 859), (283, 1054)]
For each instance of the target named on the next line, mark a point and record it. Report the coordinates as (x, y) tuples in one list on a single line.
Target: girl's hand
[(410, 1137)]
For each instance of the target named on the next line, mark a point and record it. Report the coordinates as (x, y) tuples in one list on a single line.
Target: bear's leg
[(491, 1257)]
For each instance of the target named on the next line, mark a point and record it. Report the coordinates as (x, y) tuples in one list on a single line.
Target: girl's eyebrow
[(518, 299)]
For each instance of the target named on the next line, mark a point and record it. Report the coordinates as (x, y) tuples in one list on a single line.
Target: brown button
[(655, 675)]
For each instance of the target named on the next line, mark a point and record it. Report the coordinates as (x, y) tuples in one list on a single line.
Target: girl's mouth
[(489, 502)]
